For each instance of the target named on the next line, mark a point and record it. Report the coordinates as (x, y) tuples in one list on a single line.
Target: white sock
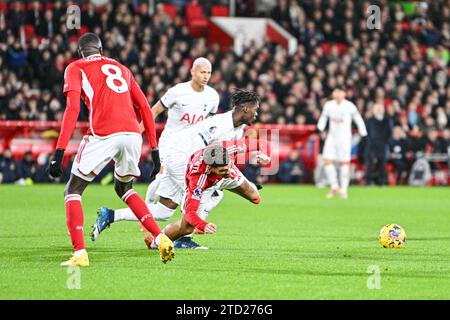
[(156, 240), (79, 253), (151, 195), (208, 203), (124, 214), (345, 177), (160, 211), (331, 173)]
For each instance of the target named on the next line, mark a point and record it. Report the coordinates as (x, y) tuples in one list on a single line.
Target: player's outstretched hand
[(55, 166), (262, 158), (210, 228), (156, 162)]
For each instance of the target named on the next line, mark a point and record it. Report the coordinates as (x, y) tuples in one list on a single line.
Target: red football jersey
[(198, 178), (106, 86)]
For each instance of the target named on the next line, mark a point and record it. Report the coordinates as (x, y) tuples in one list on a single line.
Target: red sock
[(140, 210), (75, 220)]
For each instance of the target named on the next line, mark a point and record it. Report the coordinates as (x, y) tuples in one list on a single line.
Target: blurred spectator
[(417, 142), (42, 164), (16, 58), (378, 134), (8, 167), (292, 169), (27, 166), (403, 66), (252, 171), (146, 167), (334, 49), (397, 150), (15, 18), (66, 170)]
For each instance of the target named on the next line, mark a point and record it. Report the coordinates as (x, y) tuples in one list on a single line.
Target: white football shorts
[(95, 153), (337, 149), (164, 149), (172, 183)]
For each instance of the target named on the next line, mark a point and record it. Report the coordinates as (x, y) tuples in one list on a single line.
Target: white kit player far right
[(340, 113)]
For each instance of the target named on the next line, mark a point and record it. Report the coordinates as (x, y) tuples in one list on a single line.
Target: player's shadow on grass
[(425, 275), (342, 254), (57, 253), (31, 236), (427, 238)]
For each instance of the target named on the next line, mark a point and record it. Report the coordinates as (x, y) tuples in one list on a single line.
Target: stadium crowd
[(404, 66)]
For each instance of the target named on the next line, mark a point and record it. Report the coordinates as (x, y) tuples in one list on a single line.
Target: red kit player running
[(113, 97)]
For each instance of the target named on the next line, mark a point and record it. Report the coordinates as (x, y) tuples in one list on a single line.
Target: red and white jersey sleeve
[(244, 146), (72, 79), (104, 84), (198, 179)]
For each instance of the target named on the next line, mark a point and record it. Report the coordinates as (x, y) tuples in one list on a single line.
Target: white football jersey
[(187, 106), (340, 116), (216, 128)]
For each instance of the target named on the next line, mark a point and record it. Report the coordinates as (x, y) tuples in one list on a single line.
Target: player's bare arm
[(157, 109), (247, 191)]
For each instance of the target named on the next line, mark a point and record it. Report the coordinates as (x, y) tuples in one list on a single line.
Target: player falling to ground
[(187, 103), (340, 112), (171, 187), (209, 167), (111, 94)]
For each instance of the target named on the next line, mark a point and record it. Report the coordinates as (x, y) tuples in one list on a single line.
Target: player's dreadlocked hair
[(241, 97), (89, 43)]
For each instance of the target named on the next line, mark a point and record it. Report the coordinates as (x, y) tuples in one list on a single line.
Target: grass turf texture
[(294, 245)]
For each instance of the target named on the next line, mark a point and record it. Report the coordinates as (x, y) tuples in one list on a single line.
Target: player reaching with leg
[(186, 103), (171, 187), (111, 94), (340, 112)]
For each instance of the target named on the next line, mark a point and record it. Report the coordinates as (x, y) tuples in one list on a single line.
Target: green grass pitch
[(294, 245)]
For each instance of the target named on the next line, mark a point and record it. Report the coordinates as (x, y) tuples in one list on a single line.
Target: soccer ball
[(392, 236)]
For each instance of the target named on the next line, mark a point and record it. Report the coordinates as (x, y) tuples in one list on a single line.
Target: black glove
[(156, 162), (55, 166), (258, 186)]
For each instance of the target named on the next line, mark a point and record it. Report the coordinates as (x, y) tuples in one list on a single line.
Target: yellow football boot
[(165, 248), (81, 261)]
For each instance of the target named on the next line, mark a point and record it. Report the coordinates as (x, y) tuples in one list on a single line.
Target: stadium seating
[(170, 10), (282, 79), (197, 23), (219, 11)]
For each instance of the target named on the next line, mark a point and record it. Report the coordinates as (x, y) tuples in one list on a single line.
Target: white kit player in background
[(186, 103), (340, 112)]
